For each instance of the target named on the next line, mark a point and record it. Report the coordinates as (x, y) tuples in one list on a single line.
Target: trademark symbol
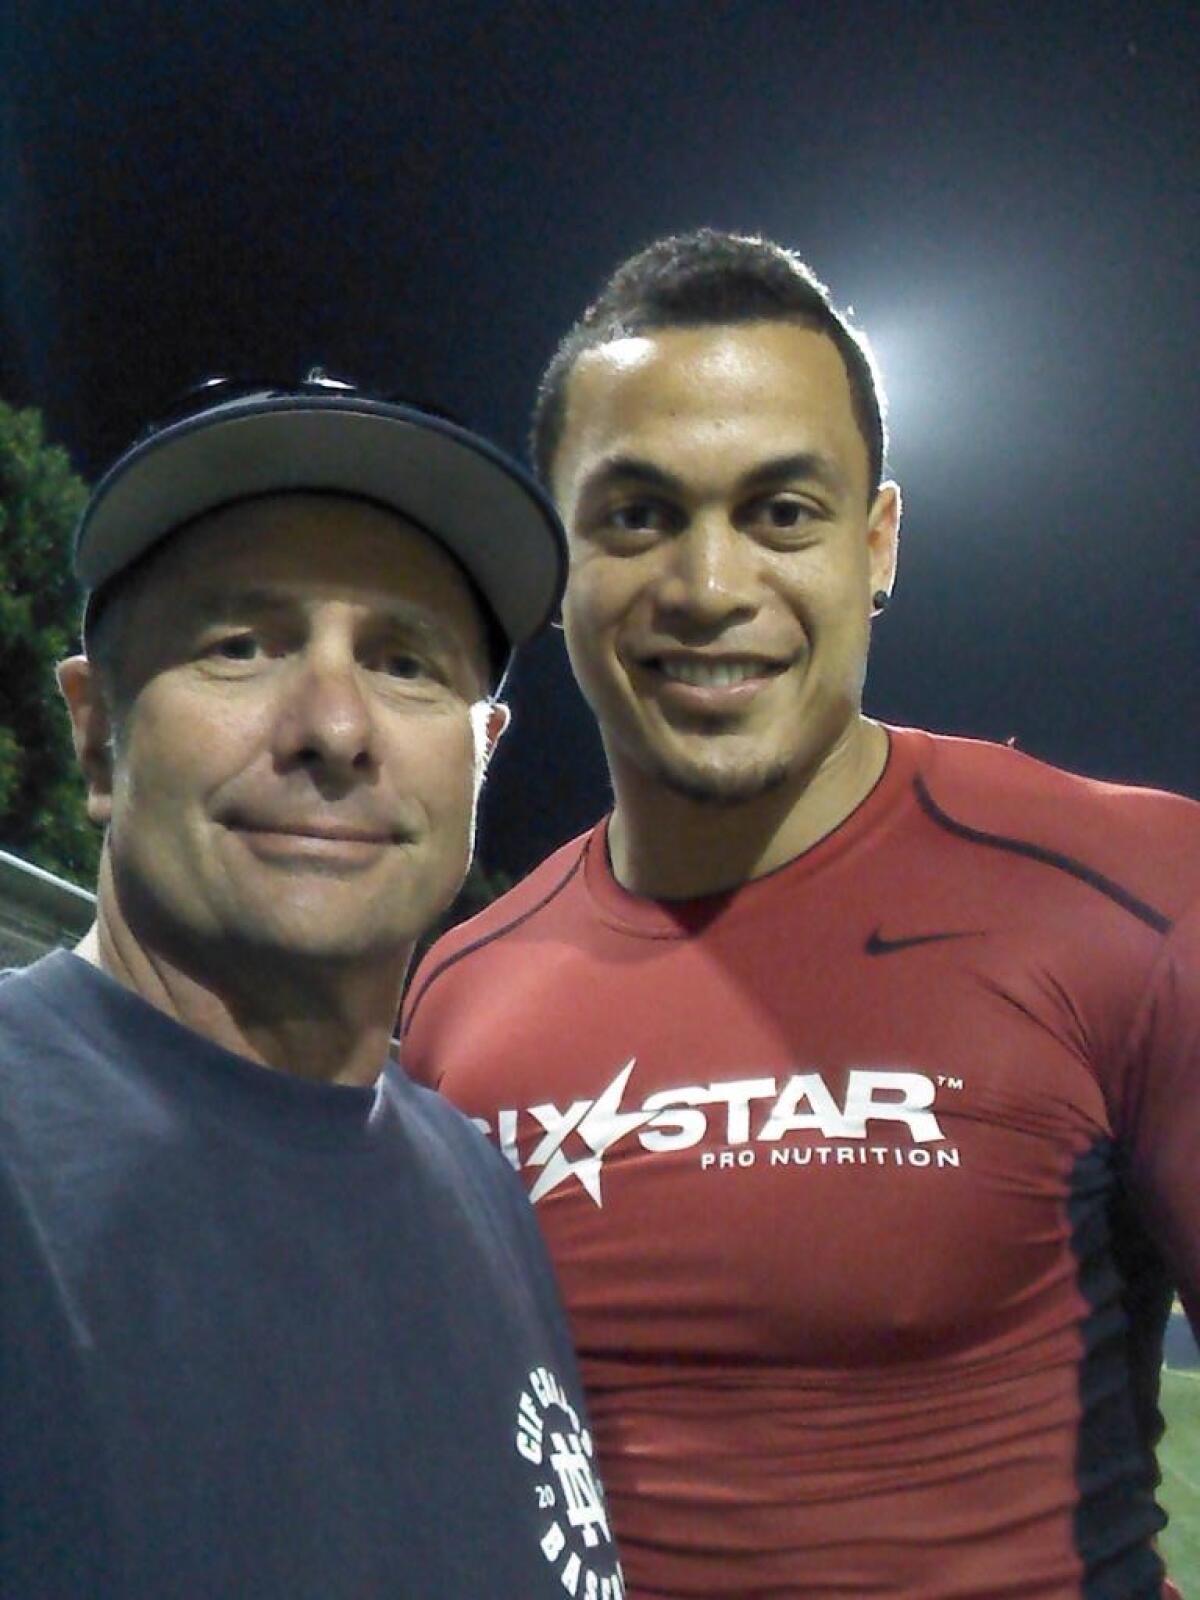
[(948, 1083)]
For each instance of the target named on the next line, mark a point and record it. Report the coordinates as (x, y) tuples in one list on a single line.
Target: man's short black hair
[(699, 279)]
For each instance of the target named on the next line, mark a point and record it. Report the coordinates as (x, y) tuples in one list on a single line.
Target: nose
[(711, 574), (325, 720)]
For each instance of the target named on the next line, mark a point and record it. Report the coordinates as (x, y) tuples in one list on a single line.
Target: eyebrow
[(215, 604), (241, 605), (805, 465), (625, 469)]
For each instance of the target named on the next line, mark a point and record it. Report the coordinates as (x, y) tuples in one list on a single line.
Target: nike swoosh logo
[(877, 945)]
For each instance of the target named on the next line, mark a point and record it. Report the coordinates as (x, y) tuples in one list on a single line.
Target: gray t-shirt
[(266, 1338)]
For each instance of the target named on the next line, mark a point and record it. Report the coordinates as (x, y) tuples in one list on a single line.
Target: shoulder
[(434, 1122), (447, 1142), (44, 989), (534, 894), (51, 1076), (543, 889), (460, 1164), (1145, 840)]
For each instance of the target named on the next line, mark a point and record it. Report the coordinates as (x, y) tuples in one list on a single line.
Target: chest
[(824, 1142)]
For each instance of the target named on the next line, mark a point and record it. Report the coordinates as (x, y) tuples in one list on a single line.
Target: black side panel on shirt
[(1118, 1381)]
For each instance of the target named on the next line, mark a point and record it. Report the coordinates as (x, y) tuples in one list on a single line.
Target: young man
[(276, 1322), (853, 1070)]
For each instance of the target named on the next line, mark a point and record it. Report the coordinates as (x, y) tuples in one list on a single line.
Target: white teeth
[(710, 674)]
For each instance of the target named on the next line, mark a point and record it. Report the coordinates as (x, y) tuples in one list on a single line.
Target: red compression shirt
[(867, 1184)]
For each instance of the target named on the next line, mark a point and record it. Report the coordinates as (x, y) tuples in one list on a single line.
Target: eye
[(636, 522), (234, 647), (777, 515), (781, 511), (403, 664), (637, 515)]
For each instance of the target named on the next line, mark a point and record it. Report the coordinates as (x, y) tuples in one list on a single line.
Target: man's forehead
[(280, 551), (703, 384), (759, 361), (231, 598)]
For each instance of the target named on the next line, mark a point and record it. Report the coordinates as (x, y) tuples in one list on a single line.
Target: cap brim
[(486, 510)]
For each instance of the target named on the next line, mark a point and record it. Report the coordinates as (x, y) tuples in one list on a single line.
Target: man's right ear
[(91, 730)]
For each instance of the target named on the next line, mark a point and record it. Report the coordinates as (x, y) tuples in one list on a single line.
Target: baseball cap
[(236, 440)]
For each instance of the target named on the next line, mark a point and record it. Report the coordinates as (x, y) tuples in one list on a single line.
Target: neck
[(330, 1026), (668, 846)]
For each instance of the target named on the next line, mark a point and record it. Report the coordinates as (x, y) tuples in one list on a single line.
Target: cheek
[(450, 770), (602, 589), (149, 761), (597, 603), (171, 760), (591, 661), (832, 589)]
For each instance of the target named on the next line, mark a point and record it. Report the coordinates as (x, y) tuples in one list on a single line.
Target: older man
[(276, 1323), (853, 1070)]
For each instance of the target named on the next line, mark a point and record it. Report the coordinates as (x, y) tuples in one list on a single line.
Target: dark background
[(423, 196)]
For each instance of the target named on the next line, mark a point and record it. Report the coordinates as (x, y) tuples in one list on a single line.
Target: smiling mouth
[(316, 833), (698, 673)]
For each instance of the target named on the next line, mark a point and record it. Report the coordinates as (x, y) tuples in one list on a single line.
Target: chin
[(311, 932), (327, 949), (722, 784)]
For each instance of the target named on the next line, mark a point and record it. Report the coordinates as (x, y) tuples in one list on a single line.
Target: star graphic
[(599, 1123)]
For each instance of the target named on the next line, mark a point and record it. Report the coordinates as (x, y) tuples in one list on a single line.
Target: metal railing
[(38, 911)]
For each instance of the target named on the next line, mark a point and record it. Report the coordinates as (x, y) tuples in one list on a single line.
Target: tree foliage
[(42, 814)]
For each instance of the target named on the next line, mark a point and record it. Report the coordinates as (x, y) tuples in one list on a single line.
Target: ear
[(91, 731), (489, 719), (498, 718), (883, 537)]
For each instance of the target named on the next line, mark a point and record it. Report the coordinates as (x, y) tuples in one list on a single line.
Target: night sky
[(423, 196)]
